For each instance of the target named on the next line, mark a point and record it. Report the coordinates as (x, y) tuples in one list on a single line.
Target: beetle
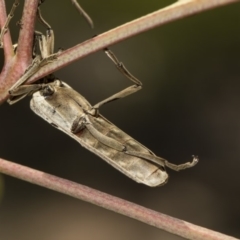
[(64, 108), (70, 112)]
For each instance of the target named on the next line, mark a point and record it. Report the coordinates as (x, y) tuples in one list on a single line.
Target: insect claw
[(195, 160)]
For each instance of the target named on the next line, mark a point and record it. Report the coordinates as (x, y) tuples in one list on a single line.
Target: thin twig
[(9, 17), (7, 48), (178, 10), (16, 65), (173, 12), (7, 41), (150, 217)]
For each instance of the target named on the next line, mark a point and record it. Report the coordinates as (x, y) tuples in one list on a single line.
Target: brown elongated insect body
[(70, 112), (64, 108)]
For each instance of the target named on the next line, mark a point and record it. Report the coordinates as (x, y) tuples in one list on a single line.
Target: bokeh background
[(190, 104)]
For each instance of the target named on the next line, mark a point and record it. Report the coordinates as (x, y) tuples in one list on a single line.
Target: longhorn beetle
[(64, 108)]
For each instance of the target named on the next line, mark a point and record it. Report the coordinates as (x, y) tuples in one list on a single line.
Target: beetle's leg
[(23, 91), (33, 68), (18, 93), (84, 121), (46, 45), (182, 166), (36, 64), (121, 67), (9, 17), (163, 162), (127, 91), (110, 142)]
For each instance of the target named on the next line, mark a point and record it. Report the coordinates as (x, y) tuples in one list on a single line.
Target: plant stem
[(15, 65), (173, 12), (7, 41), (150, 217), (25, 40)]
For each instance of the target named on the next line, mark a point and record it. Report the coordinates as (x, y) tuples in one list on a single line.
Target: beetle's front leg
[(84, 121), (22, 91), (46, 47), (18, 90), (46, 56)]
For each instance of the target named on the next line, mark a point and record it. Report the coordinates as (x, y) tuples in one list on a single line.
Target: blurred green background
[(190, 104)]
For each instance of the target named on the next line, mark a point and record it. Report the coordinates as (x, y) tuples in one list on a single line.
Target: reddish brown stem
[(16, 65), (25, 40), (7, 41), (150, 217), (173, 12)]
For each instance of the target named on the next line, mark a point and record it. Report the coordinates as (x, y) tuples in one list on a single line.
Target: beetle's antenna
[(42, 20), (81, 10)]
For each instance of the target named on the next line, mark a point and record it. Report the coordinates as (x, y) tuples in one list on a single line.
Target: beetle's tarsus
[(182, 166)]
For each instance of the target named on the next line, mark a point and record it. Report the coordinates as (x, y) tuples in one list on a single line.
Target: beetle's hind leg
[(85, 121), (183, 165), (125, 92), (163, 162)]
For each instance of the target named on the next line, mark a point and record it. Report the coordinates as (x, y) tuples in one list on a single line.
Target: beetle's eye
[(47, 91)]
